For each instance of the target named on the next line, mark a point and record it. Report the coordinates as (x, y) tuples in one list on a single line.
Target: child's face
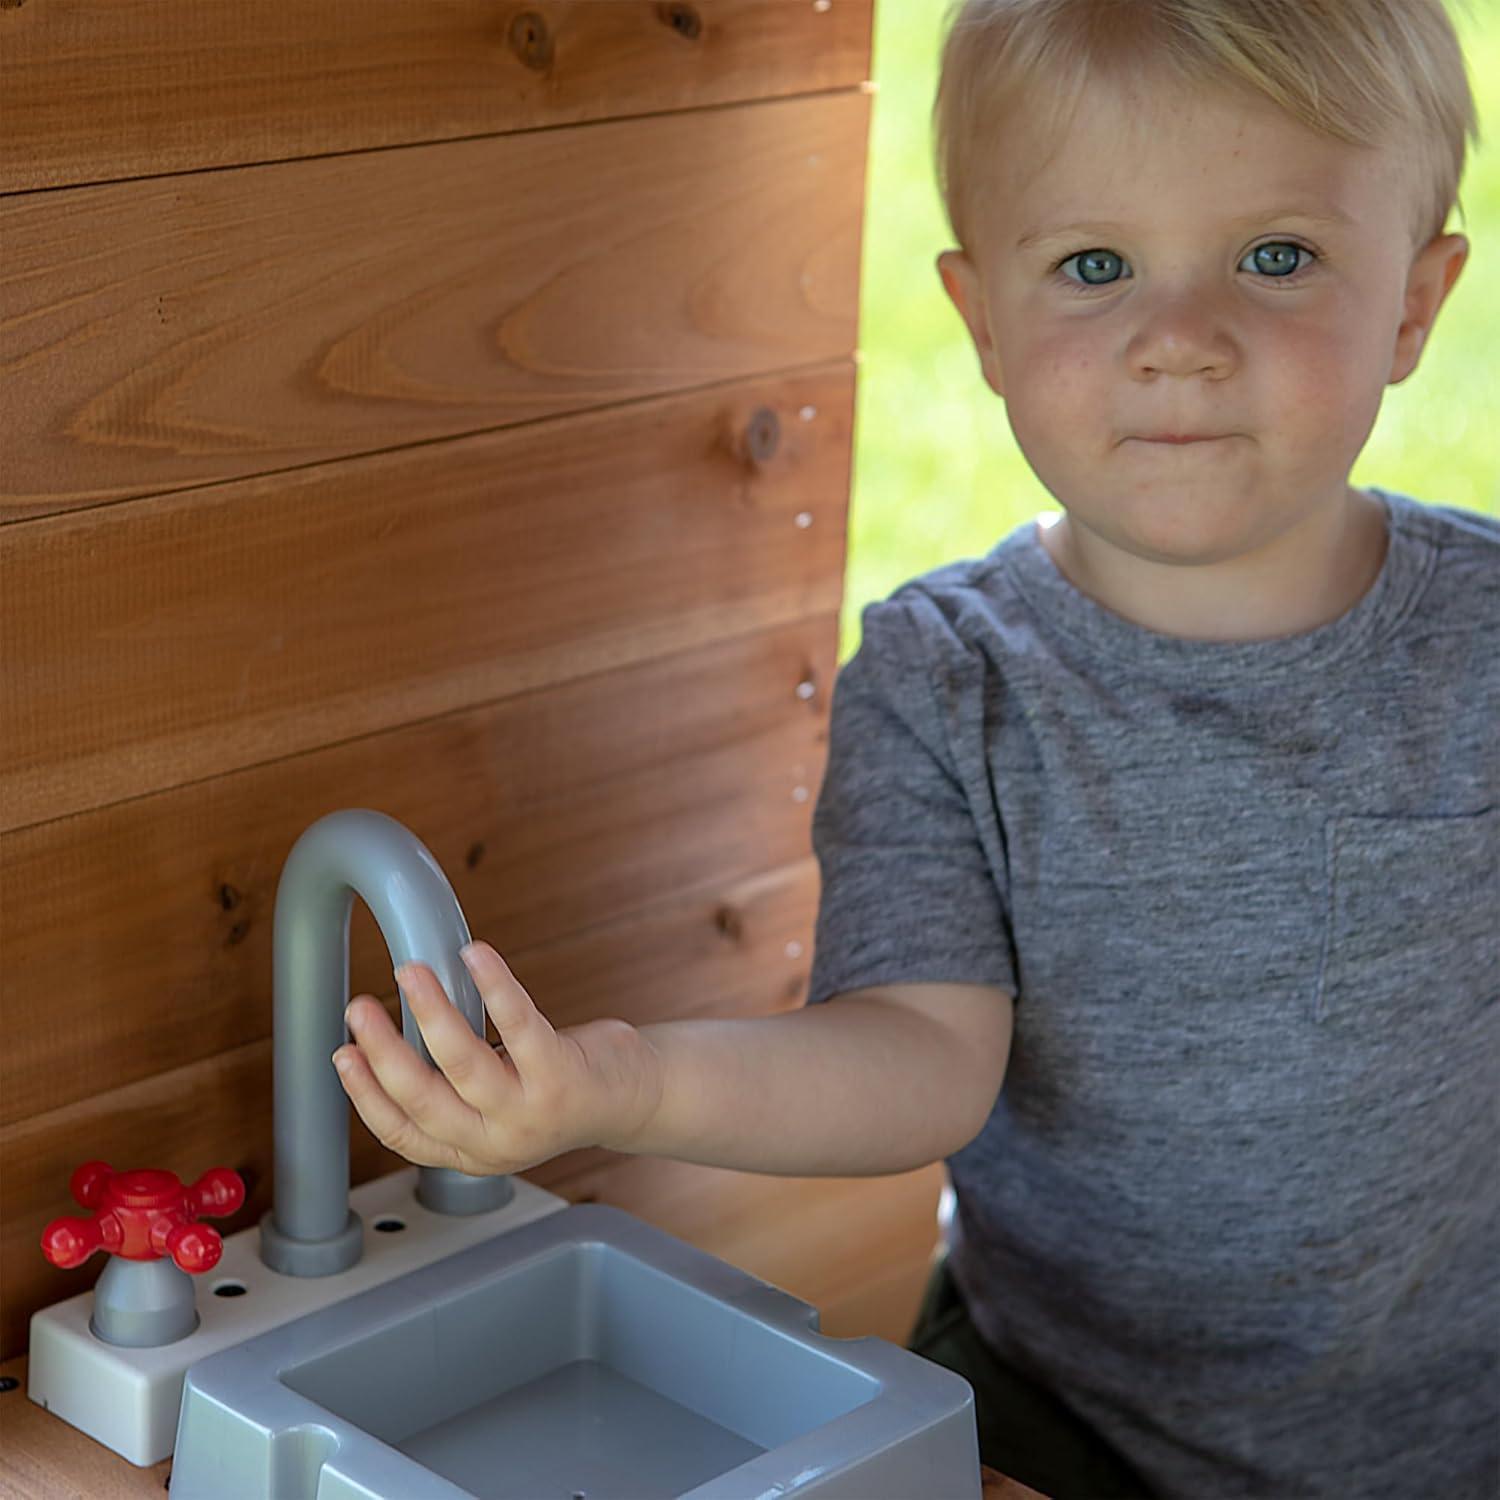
[(1182, 322)]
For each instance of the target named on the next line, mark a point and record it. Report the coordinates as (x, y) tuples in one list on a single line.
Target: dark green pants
[(1024, 1430)]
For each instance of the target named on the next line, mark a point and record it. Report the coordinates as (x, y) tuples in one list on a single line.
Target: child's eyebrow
[(1328, 216)]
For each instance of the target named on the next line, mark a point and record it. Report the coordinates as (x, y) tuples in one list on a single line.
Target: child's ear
[(1428, 283), (962, 283)]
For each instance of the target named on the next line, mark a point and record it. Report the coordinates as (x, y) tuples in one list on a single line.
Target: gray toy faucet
[(310, 1229)]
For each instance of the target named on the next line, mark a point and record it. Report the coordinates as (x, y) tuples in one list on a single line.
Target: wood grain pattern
[(182, 331), (673, 958), (101, 91), (552, 813), (191, 635), (446, 410)]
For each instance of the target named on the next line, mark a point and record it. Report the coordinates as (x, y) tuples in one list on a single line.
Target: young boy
[(1180, 817)]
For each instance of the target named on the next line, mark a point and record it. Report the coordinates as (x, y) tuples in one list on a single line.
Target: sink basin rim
[(908, 1396)]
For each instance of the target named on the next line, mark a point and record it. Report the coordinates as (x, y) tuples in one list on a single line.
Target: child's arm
[(882, 1080), (876, 1081)]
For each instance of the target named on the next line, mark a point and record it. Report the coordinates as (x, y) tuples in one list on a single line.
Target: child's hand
[(490, 1112)]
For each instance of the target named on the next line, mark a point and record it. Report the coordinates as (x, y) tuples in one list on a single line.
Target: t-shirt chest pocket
[(1413, 929)]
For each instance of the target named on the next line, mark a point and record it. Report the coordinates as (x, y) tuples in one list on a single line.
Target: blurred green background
[(937, 474)]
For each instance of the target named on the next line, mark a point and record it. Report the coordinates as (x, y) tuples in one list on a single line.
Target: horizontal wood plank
[(676, 958), (183, 331), (185, 636), (552, 813), (95, 92), (446, 410)]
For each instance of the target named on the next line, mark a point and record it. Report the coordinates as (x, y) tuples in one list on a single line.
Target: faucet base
[(128, 1398), (446, 1191), (293, 1257)]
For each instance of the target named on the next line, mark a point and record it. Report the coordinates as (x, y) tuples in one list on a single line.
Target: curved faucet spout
[(311, 1230)]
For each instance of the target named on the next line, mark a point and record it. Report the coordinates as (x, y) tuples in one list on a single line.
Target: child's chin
[(1180, 529)]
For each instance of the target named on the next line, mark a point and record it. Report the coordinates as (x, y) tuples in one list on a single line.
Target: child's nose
[(1179, 350), (1185, 335)]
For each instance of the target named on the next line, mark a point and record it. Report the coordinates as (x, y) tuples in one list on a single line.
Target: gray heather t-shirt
[(1238, 1202)]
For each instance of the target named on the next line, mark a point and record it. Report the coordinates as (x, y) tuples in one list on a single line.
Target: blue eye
[(1276, 260), (1096, 267)]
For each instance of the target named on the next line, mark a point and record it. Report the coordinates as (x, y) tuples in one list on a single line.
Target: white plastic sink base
[(127, 1399)]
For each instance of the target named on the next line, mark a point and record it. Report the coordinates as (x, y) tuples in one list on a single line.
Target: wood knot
[(531, 41), (762, 435), (727, 920), (683, 19), (231, 898), (474, 855)]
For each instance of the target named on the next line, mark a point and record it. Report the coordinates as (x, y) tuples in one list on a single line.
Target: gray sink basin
[(586, 1356)]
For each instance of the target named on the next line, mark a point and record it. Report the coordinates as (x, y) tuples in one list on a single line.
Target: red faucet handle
[(70, 1242), (88, 1182), (219, 1192), (194, 1247), (144, 1215)]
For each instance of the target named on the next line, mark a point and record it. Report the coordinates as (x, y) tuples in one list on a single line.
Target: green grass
[(937, 474)]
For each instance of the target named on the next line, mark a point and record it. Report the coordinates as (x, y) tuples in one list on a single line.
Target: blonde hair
[(1367, 72)]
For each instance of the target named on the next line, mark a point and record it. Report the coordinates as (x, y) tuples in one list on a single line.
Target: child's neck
[(1308, 577)]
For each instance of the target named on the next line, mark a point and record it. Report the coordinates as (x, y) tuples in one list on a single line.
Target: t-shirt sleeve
[(908, 895)]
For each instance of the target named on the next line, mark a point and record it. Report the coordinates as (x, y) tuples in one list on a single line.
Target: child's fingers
[(421, 1093), (525, 1033), (482, 1080), (386, 1120)]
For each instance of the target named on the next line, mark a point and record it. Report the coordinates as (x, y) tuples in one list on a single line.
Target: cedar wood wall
[(442, 408)]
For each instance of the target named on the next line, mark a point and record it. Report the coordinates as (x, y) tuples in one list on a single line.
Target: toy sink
[(583, 1356)]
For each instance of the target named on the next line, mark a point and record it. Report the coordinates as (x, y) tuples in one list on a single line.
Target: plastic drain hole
[(230, 1289), (390, 1225)]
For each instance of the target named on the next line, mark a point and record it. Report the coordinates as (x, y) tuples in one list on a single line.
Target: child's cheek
[(1062, 405), (1321, 377), (1060, 390)]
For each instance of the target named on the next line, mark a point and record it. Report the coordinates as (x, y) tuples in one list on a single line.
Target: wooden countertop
[(43, 1458)]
